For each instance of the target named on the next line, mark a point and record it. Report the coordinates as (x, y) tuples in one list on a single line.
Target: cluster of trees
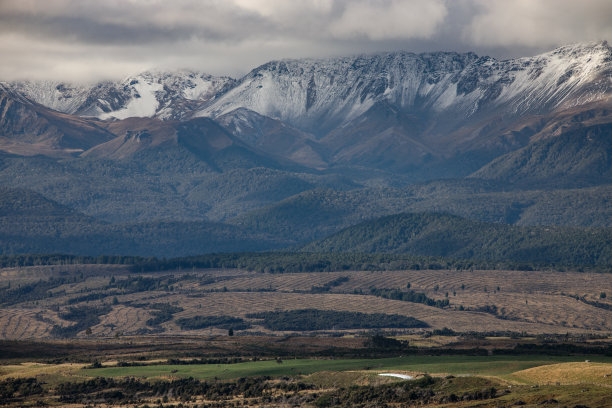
[(162, 312), (135, 284), (408, 296), (413, 392), (10, 294), (131, 390), (84, 317), (313, 319), (14, 389), (329, 285), (425, 390), (601, 305), (291, 262), (221, 322), (557, 349), (11, 261), (90, 296)]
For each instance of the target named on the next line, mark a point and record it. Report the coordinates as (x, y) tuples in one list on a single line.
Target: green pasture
[(474, 365)]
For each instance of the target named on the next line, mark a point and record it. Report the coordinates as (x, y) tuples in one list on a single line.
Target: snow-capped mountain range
[(394, 111), (319, 95), (324, 93)]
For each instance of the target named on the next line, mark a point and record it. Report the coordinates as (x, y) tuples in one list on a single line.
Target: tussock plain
[(485, 301)]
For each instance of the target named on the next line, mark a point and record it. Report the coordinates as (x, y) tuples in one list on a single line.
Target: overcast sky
[(91, 39)]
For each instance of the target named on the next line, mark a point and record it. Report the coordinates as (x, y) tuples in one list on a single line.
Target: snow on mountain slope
[(164, 95), (61, 97), (143, 103), (319, 95)]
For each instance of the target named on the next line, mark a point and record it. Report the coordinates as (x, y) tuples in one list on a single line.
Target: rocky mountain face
[(401, 111), (28, 129), (320, 95), (339, 139)]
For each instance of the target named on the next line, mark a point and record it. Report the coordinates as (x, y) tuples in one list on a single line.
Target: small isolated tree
[(88, 331), (602, 295), (408, 285), (230, 332)]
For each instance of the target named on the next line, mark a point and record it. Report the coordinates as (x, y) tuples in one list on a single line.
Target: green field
[(475, 365)]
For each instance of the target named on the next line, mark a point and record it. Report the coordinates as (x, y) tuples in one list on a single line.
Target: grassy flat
[(477, 365), (568, 373)]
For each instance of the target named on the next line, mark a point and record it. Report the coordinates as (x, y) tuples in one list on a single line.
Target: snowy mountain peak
[(581, 49), (317, 95), (168, 95)]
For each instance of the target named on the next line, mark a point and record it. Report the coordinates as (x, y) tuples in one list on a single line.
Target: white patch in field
[(402, 376)]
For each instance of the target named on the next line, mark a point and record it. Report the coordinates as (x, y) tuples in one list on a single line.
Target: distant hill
[(30, 223), (317, 213), (579, 156), (444, 235)]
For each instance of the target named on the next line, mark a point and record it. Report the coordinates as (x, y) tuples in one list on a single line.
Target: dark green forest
[(313, 319), (444, 235)]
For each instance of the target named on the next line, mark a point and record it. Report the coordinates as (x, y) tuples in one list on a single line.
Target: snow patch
[(402, 376), (144, 102), (197, 88)]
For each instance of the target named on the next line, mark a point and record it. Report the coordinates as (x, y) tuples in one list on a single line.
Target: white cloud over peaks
[(539, 23), (280, 8), (390, 19)]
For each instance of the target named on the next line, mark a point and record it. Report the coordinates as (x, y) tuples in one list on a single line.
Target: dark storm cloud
[(90, 39)]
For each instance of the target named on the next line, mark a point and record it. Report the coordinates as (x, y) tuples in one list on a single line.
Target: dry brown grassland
[(483, 301)]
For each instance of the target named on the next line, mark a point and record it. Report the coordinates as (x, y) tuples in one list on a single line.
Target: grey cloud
[(539, 23), (95, 38), (128, 23), (133, 22)]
